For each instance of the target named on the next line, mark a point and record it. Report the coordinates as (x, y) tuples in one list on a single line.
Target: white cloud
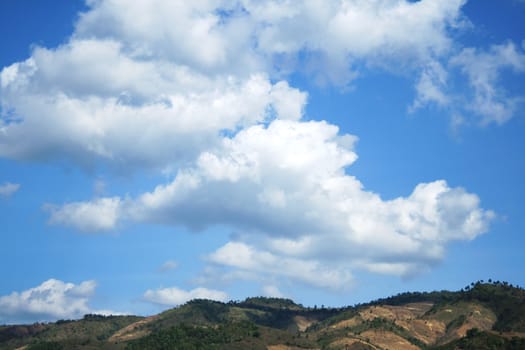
[(340, 36), (130, 89), (483, 68), (200, 39), (285, 187), (484, 100), (99, 215), (356, 28), (265, 264), (244, 36), (109, 100), (125, 111), (176, 296), (149, 94), (168, 266), (8, 189), (285, 156), (272, 291), (51, 300), (431, 87)]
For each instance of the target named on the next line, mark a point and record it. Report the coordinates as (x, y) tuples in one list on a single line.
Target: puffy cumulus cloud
[(209, 35), (400, 237), (284, 186), (129, 79), (490, 101), (105, 105), (260, 173), (175, 296), (330, 41), (355, 28), (131, 89), (334, 40), (99, 215), (52, 300), (7, 189), (242, 36), (262, 265)]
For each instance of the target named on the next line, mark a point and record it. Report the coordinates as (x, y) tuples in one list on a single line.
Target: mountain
[(480, 316)]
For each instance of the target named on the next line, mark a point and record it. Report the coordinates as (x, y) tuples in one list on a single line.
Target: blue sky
[(330, 152)]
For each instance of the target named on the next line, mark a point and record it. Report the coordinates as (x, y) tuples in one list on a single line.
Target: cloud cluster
[(199, 90), (106, 106), (147, 93), (242, 36), (284, 186), (52, 300)]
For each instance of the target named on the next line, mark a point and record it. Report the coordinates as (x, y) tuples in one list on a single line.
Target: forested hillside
[(480, 316)]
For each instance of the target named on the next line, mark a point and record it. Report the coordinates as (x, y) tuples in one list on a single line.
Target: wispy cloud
[(168, 266), (175, 296), (7, 189), (489, 100)]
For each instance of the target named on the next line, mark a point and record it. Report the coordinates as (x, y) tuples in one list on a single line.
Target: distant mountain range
[(480, 316)]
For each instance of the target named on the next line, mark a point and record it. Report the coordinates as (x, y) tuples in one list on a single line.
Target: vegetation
[(507, 302), (187, 337), (46, 345), (477, 340), (271, 303), (492, 315), (91, 331)]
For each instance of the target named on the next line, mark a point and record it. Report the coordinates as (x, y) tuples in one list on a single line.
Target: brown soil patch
[(427, 331), (394, 313), (353, 343), (303, 323), (479, 317), (132, 331), (388, 340), (354, 321)]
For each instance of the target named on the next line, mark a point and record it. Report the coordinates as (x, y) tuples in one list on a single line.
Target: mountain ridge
[(480, 316)]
